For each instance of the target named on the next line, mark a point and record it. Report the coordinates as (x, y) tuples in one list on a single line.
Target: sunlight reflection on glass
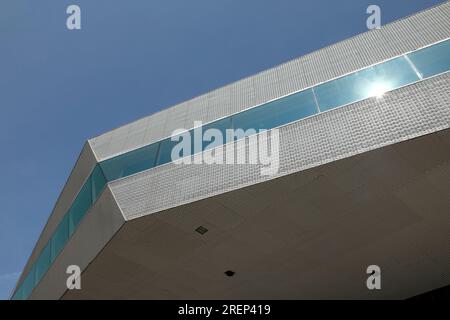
[(378, 89)]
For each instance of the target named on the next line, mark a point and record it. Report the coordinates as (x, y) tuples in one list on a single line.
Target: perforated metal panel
[(403, 114), (352, 54)]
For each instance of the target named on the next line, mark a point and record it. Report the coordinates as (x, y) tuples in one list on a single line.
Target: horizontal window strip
[(373, 81)]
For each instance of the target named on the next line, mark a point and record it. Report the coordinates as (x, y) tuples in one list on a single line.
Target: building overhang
[(310, 234)]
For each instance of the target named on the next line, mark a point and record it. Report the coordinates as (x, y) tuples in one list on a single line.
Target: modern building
[(363, 179)]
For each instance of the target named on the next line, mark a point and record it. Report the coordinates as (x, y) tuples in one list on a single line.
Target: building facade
[(363, 173)]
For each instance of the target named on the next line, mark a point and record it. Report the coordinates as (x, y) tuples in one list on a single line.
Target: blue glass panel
[(80, 206), (432, 60), (98, 182), (19, 294), (209, 140), (28, 283), (165, 149), (370, 82), (43, 262), (185, 143), (129, 163), (60, 237), (278, 112)]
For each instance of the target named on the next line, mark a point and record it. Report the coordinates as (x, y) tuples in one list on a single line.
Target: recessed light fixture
[(229, 273), (201, 230)]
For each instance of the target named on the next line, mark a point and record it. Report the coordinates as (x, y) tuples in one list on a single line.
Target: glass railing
[(372, 81)]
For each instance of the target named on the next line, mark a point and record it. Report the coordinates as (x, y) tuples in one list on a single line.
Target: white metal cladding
[(402, 114), (391, 40)]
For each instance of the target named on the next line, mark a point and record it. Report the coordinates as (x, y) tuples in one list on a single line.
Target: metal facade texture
[(334, 61), (403, 114)]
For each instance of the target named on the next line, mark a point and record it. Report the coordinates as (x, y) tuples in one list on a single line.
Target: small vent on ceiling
[(229, 273), (201, 230)]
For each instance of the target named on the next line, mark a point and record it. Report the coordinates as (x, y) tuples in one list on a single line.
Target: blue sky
[(132, 58)]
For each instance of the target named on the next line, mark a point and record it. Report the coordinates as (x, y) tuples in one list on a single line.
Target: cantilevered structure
[(364, 179)]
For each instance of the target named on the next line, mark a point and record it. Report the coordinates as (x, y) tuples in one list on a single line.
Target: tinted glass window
[(43, 262), (276, 113), (18, 295), (130, 162), (370, 82), (59, 238), (98, 182), (28, 283), (432, 60), (80, 206), (165, 149), (209, 139)]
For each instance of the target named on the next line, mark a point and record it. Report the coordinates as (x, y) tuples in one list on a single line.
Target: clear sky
[(130, 59)]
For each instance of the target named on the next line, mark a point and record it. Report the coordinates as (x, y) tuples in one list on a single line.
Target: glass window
[(18, 295), (80, 206), (129, 163), (165, 149), (209, 139), (184, 146), (278, 112), (432, 60), (98, 182), (28, 283), (370, 82), (60, 237), (43, 262)]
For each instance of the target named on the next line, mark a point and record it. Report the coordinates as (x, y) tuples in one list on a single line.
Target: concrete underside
[(309, 235)]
